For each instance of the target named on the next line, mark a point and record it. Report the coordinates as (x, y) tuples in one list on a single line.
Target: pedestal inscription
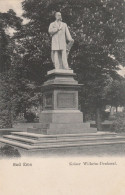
[(66, 100)]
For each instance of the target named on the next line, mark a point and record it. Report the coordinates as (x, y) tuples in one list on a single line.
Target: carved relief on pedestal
[(47, 101)]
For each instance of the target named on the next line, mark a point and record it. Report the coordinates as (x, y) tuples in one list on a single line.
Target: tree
[(115, 93), (98, 29), (7, 20)]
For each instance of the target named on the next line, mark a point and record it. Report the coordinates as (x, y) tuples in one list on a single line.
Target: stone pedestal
[(60, 113)]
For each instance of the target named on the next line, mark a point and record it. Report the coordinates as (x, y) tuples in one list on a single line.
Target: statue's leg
[(64, 60), (55, 59), (52, 56), (60, 59)]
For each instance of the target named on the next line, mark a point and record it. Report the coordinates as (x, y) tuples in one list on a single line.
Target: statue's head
[(58, 16)]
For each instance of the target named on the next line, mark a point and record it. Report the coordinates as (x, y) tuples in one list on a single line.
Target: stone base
[(62, 128), (61, 122), (60, 71), (61, 116)]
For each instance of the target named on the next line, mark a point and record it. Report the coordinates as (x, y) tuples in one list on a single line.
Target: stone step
[(15, 143), (78, 140), (61, 141), (33, 135), (20, 139), (37, 130), (60, 136), (86, 135), (28, 140), (76, 145), (50, 146)]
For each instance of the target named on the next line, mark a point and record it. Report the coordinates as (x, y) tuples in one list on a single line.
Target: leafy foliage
[(9, 151), (119, 122), (30, 116), (7, 20), (115, 92)]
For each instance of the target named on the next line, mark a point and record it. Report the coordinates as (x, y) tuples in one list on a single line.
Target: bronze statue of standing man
[(60, 36)]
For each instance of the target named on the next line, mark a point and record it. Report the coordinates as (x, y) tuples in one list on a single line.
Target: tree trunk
[(10, 117), (98, 119), (40, 103), (24, 112)]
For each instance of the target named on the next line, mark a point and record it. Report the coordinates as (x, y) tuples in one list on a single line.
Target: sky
[(5, 5)]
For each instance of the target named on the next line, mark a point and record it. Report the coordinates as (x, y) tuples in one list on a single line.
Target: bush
[(30, 116), (9, 151), (119, 122), (5, 121)]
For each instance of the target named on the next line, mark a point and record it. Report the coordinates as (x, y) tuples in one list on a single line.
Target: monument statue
[(61, 42)]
